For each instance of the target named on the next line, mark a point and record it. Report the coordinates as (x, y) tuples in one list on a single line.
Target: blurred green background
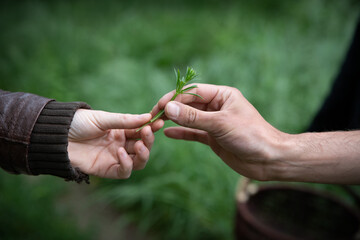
[(119, 56)]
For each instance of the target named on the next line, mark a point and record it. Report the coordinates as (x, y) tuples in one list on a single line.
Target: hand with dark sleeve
[(42, 136)]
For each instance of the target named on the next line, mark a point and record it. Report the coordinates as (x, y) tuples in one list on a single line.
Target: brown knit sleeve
[(49, 140)]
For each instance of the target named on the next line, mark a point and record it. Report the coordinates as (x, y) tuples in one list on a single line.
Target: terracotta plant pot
[(287, 212)]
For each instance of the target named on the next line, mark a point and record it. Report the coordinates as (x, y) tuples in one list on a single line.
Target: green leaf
[(188, 88), (190, 74), (194, 94), (177, 79), (182, 83), (176, 75)]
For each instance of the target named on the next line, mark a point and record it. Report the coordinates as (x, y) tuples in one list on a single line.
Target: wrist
[(300, 156), (282, 150), (47, 152), (73, 155)]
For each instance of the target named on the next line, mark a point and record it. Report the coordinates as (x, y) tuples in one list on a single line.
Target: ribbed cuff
[(49, 140)]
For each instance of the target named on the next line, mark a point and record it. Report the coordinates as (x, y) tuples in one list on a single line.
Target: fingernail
[(142, 149), (173, 110)]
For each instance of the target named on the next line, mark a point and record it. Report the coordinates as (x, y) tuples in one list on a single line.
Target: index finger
[(207, 91), (107, 120)]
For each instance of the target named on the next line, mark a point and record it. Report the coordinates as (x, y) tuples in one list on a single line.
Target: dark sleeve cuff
[(49, 140)]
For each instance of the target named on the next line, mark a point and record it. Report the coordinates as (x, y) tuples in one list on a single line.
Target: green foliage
[(182, 81), (116, 56), (179, 196), (28, 211)]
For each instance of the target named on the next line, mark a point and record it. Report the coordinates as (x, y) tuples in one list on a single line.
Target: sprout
[(180, 84)]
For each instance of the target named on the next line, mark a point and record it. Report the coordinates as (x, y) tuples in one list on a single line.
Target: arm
[(17, 119), (239, 135), (41, 136), (327, 157)]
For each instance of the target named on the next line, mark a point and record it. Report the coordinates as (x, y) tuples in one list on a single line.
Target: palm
[(107, 144), (100, 151)]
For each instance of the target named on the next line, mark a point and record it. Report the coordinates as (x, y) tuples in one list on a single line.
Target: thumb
[(107, 120), (187, 116)]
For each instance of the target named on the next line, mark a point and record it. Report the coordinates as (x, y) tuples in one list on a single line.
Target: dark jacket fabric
[(34, 135), (341, 109)]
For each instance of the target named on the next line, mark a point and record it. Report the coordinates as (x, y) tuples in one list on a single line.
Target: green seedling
[(180, 84)]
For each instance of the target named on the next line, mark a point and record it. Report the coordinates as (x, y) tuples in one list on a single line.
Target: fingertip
[(165, 99), (174, 132), (146, 130), (139, 145), (143, 150), (154, 110), (167, 132), (145, 117), (172, 110), (157, 125), (122, 153), (148, 138), (125, 164)]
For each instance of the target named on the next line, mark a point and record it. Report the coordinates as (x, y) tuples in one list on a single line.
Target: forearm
[(328, 157), (34, 135)]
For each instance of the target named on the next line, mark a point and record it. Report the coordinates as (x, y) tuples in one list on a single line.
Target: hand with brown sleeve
[(42, 136)]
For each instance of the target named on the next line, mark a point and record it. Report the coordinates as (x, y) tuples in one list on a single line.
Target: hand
[(239, 135), (106, 144), (226, 122)]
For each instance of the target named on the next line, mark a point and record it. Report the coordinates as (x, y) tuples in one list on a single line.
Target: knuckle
[(236, 91), (124, 117), (231, 90), (219, 124), (192, 116)]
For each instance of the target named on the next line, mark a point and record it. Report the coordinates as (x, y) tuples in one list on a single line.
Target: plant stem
[(158, 115)]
